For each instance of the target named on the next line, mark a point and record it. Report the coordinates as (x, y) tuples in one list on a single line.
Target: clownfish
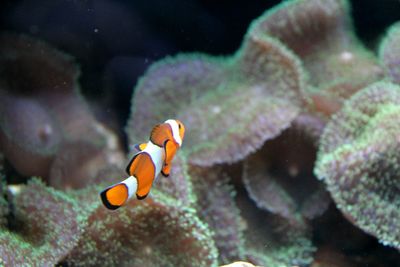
[(153, 158)]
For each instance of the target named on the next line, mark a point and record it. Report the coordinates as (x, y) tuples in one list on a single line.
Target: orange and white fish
[(153, 158)]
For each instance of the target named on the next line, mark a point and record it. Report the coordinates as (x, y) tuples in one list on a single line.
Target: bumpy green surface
[(45, 226), (390, 53), (41, 106), (271, 240), (178, 184), (4, 210), (3, 191), (320, 32), (77, 164), (229, 106), (359, 161), (279, 177), (157, 231), (216, 206)]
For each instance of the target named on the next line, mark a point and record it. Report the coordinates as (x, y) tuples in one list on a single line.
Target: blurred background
[(115, 41)]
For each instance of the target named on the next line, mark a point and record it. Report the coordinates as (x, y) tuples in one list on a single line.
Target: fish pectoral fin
[(143, 193), (128, 167), (166, 170), (140, 147), (141, 197), (114, 196), (170, 150)]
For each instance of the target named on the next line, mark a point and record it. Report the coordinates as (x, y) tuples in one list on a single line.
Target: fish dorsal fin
[(140, 147), (160, 133)]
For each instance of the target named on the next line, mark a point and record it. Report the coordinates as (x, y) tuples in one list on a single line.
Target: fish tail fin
[(116, 195)]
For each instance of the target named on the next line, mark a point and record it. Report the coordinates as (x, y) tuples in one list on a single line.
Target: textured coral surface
[(358, 159), (290, 157)]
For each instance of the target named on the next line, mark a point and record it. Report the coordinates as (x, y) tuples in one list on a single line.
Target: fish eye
[(179, 125)]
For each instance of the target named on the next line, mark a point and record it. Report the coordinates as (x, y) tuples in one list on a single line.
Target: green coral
[(320, 33), (4, 209), (279, 177), (298, 60), (178, 184), (389, 53), (46, 224), (151, 232), (263, 80), (41, 107), (216, 207), (271, 240), (358, 160)]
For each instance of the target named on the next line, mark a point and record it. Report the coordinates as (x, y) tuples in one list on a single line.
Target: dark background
[(115, 41)]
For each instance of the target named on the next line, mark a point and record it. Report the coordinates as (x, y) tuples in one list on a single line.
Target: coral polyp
[(222, 216), (320, 33), (290, 156), (44, 227), (390, 53), (41, 106), (279, 177), (145, 233), (263, 80), (359, 162)]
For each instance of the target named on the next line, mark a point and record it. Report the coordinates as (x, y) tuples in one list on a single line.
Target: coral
[(45, 225), (216, 207), (310, 126), (279, 177), (3, 192), (157, 231), (389, 53), (321, 34), (293, 115), (4, 209), (358, 161), (41, 106), (271, 240), (77, 165), (263, 80), (340, 242), (178, 184), (27, 135), (328, 257)]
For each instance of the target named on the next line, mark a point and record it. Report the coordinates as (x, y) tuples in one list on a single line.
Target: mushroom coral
[(271, 240), (4, 209), (358, 160), (320, 33), (216, 207), (390, 53), (279, 177), (43, 227), (249, 98), (157, 231), (179, 183), (41, 107), (267, 108)]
